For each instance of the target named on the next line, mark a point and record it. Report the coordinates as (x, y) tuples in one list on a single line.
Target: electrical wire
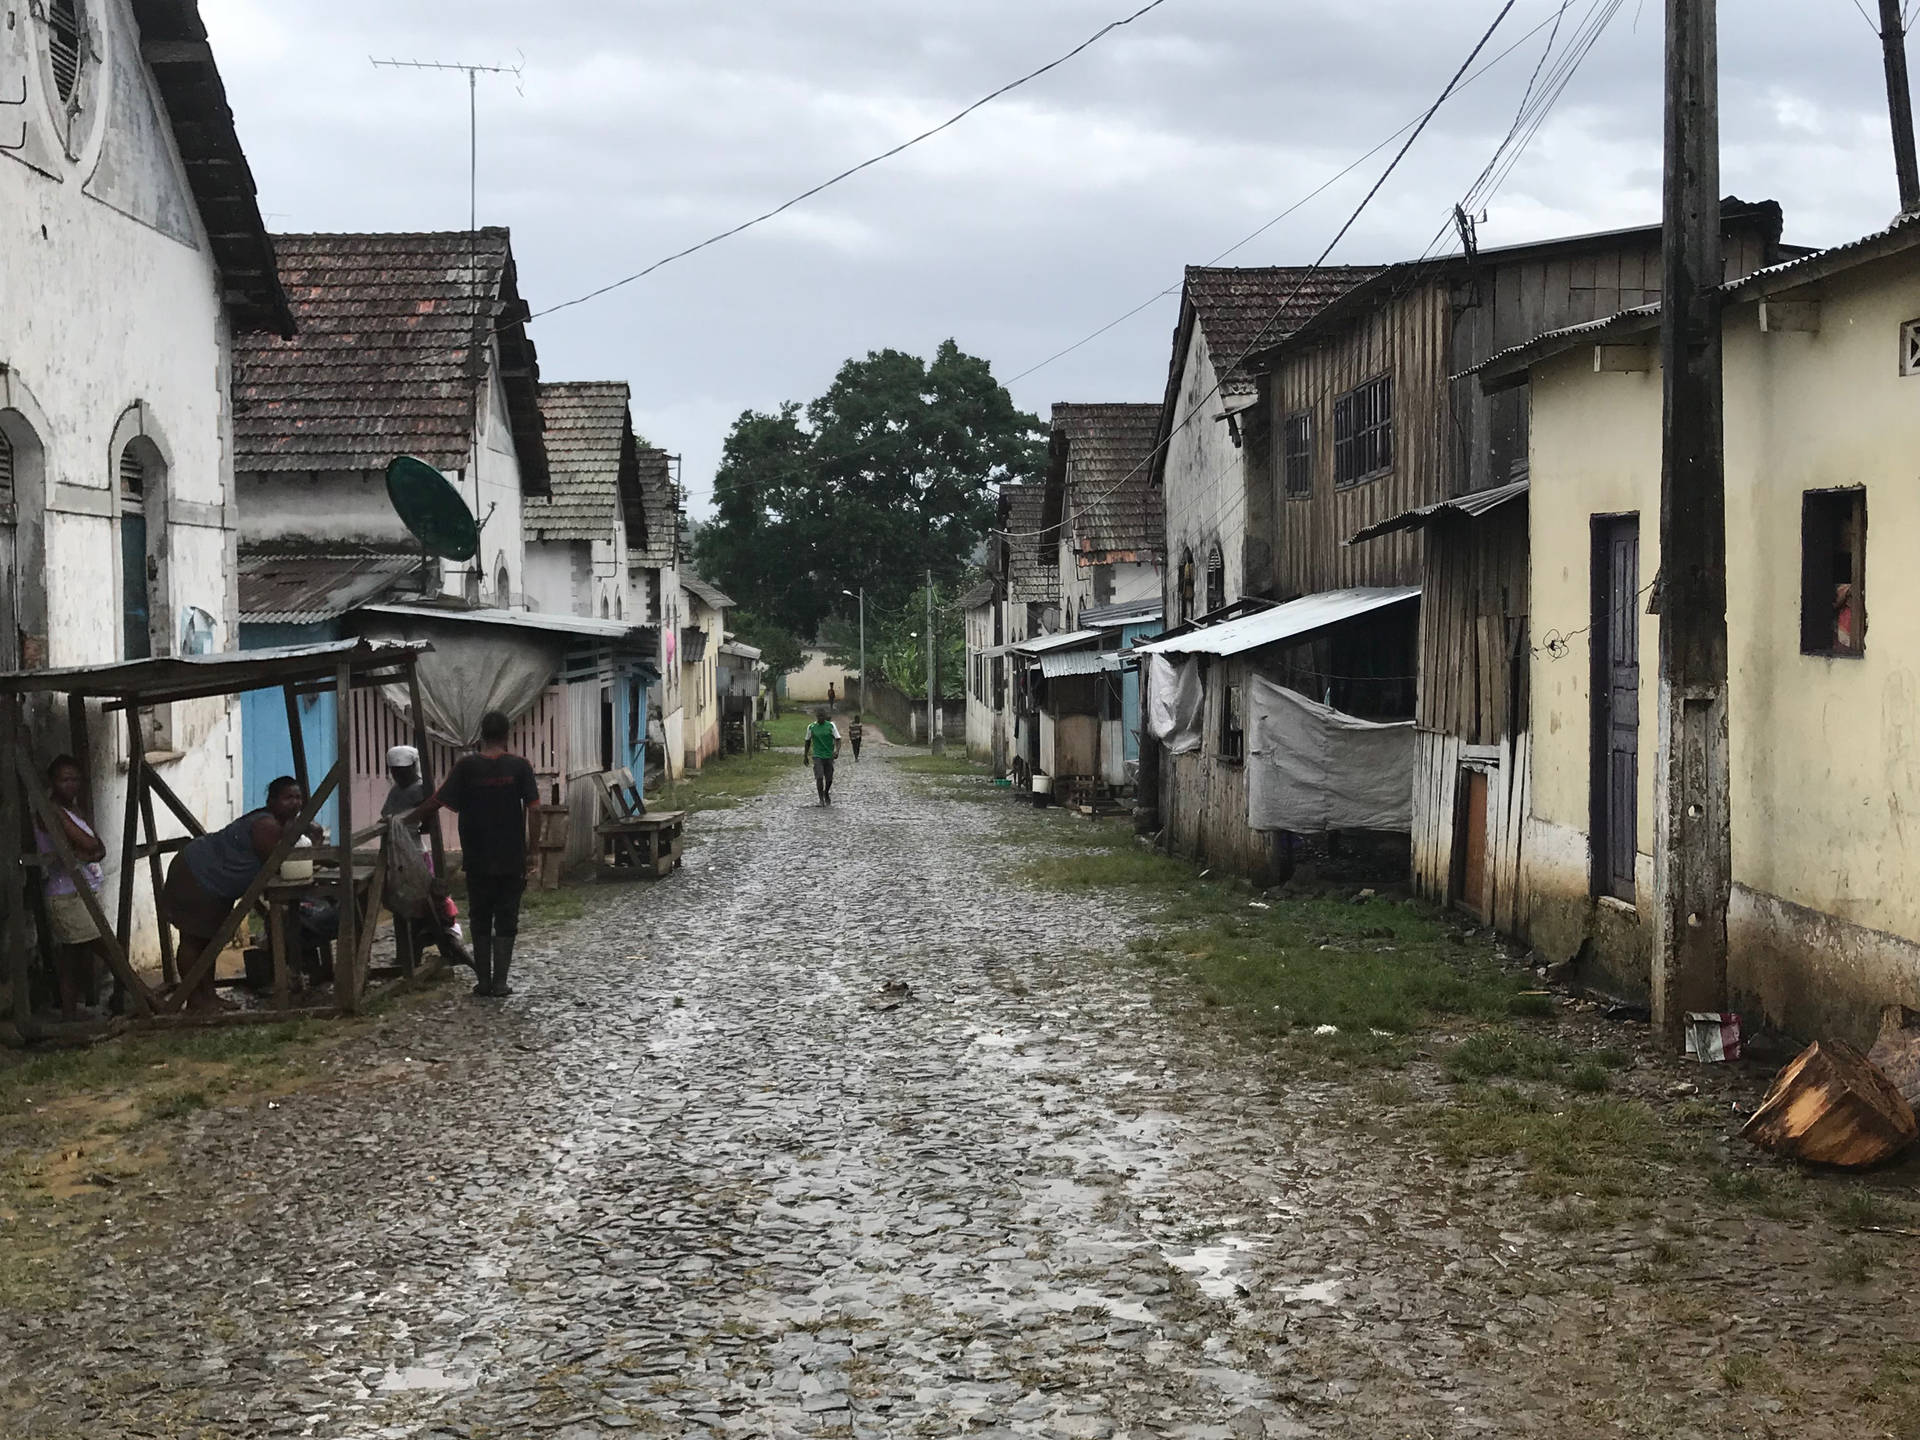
[(866, 164), (1307, 273)]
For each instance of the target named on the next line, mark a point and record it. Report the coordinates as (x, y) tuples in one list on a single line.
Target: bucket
[(1043, 784), (297, 868)]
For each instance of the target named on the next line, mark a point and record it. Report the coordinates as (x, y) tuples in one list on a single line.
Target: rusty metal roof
[(1100, 483), (173, 41), (593, 462), (1466, 506), (391, 356), (279, 587)]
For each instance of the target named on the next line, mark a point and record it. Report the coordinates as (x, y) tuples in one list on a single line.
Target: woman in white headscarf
[(409, 792)]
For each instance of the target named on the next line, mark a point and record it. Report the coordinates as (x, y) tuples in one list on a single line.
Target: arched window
[(1186, 586), (606, 608), (1216, 579), (137, 573), (23, 497), (65, 40), (502, 595)]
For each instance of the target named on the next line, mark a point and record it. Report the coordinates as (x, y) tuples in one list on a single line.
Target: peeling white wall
[(1204, 490), (111, 302)]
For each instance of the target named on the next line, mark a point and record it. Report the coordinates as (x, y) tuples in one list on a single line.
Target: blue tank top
[(223, 861)]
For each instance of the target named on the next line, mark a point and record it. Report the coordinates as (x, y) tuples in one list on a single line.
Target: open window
[(1216, 579), (146, 624), (1233, 725), (1186, 586), (1833, 572)]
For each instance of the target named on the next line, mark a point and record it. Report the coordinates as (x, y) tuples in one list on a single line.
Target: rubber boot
[(502, 963), (483, 964)]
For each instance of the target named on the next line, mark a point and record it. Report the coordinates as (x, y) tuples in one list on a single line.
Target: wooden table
[(649, 844)]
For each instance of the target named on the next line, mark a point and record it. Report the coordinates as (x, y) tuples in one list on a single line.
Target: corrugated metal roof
[(1466, 505), (1114, 617), (1296, 620), (515, 619), (281, 588), (1080, 662), (1040, 644)]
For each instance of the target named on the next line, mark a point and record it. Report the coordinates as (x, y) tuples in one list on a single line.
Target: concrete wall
[(1825, 752), (979, 680), (699, 686), (557, 577), (808, 684), (1205, 487), (113, 328)]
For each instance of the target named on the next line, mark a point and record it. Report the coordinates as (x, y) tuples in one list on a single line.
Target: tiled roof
[(590, 452), (303, 587), (390, 355), (978, 596), (1100, 484), (1239, 310), (1033, 550), (710, 595), (657, 541)]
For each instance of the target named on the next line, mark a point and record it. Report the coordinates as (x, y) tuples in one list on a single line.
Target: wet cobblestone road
[(701, 1176)]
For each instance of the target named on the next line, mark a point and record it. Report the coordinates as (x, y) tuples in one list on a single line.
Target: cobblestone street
[(704, 1175)]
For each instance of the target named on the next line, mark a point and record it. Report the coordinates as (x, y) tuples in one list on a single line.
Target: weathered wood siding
[(1203, 796), (1408, 337), (1439, 763)]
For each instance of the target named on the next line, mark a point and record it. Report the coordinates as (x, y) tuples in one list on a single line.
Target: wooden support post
[(435, 839), (42, 808), (1692, 857), (130, 833), (298, 737), (11, 878), (376, 892), (348, 986), (268, 869), (156, 873), (1893, 44), (82, 746), (277, 947)]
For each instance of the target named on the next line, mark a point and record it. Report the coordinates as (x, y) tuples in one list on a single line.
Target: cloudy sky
[(641, 126)]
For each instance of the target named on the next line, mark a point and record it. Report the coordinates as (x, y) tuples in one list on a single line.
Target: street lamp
[(862, 598)]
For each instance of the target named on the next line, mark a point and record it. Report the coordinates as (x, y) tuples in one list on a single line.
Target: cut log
[(1831, 1107), (1896, 1053)]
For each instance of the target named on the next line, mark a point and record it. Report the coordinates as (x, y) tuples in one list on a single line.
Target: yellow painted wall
[(1825, 753)]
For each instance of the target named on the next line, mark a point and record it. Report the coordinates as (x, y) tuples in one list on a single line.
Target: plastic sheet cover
[(1311, 769), (1175, 703), (473, 669)]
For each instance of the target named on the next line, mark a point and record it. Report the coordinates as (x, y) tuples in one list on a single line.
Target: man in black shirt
[(491, 791)]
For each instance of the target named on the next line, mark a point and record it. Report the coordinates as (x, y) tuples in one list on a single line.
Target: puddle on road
[(1321, 1292), (1214, 1267), (452, 1376)]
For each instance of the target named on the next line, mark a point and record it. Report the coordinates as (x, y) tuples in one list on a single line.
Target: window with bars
[(136, 573), (1910, 348), (1297, 455), (6, 468), (133, 478), (1216, 579), (65, 38), (1363, 432)]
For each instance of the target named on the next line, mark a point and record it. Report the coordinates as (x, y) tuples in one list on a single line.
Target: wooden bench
[(634, 840)]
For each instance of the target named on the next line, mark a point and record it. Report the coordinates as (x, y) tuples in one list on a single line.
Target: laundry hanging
[(1311, 768)]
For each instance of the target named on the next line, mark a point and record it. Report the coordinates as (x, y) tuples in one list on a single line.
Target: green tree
[(897, 645), (890, 474), (779, 650)]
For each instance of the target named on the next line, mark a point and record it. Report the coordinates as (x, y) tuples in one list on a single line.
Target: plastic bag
[(409, 880)]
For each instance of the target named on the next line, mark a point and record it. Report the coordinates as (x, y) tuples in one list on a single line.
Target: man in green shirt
[(822, 748)]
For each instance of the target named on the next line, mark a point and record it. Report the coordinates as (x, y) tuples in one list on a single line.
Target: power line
[(1306, 274), (1311, 195), (850, 172)]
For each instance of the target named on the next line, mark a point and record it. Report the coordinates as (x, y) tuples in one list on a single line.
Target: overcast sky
[(641, 126)]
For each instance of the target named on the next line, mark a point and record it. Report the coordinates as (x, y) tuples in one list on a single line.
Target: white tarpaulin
[(472, 669), (1311, 769), (1175, 702)]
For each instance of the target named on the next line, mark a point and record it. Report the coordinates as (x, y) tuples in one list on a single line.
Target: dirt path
[(704, 1175)]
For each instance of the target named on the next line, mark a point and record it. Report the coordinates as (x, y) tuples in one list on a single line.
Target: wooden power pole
[(1692, 857), (1893, 44)]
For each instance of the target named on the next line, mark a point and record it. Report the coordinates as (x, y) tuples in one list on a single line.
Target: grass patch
[(1594, 1148), (1506, 1051), (954, 762), (32, 1078), (1778, 1196), (173, 1105), (726, 781)]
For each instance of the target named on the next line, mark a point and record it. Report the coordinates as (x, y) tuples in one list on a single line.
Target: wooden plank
[(277, 947), (158, 880), (16, 881), (376, 892), (348, 946), (129, 835), (299, 738), (203, 967)]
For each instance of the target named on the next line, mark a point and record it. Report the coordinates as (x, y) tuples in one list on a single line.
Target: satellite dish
[(432, 509)]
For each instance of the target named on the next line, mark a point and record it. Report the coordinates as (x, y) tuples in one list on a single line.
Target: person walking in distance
[(822, 749), (492, 791), (855, 732)]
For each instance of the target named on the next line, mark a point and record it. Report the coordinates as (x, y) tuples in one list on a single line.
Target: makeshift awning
[(170, 678), (583, 625), (1466, 506), (1312, 769), (1080, 662), (1041, 644), (1284, 624)]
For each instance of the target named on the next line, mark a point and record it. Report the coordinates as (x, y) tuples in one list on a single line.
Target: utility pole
[(1692, 857), (933, 738), (1893, 44)]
